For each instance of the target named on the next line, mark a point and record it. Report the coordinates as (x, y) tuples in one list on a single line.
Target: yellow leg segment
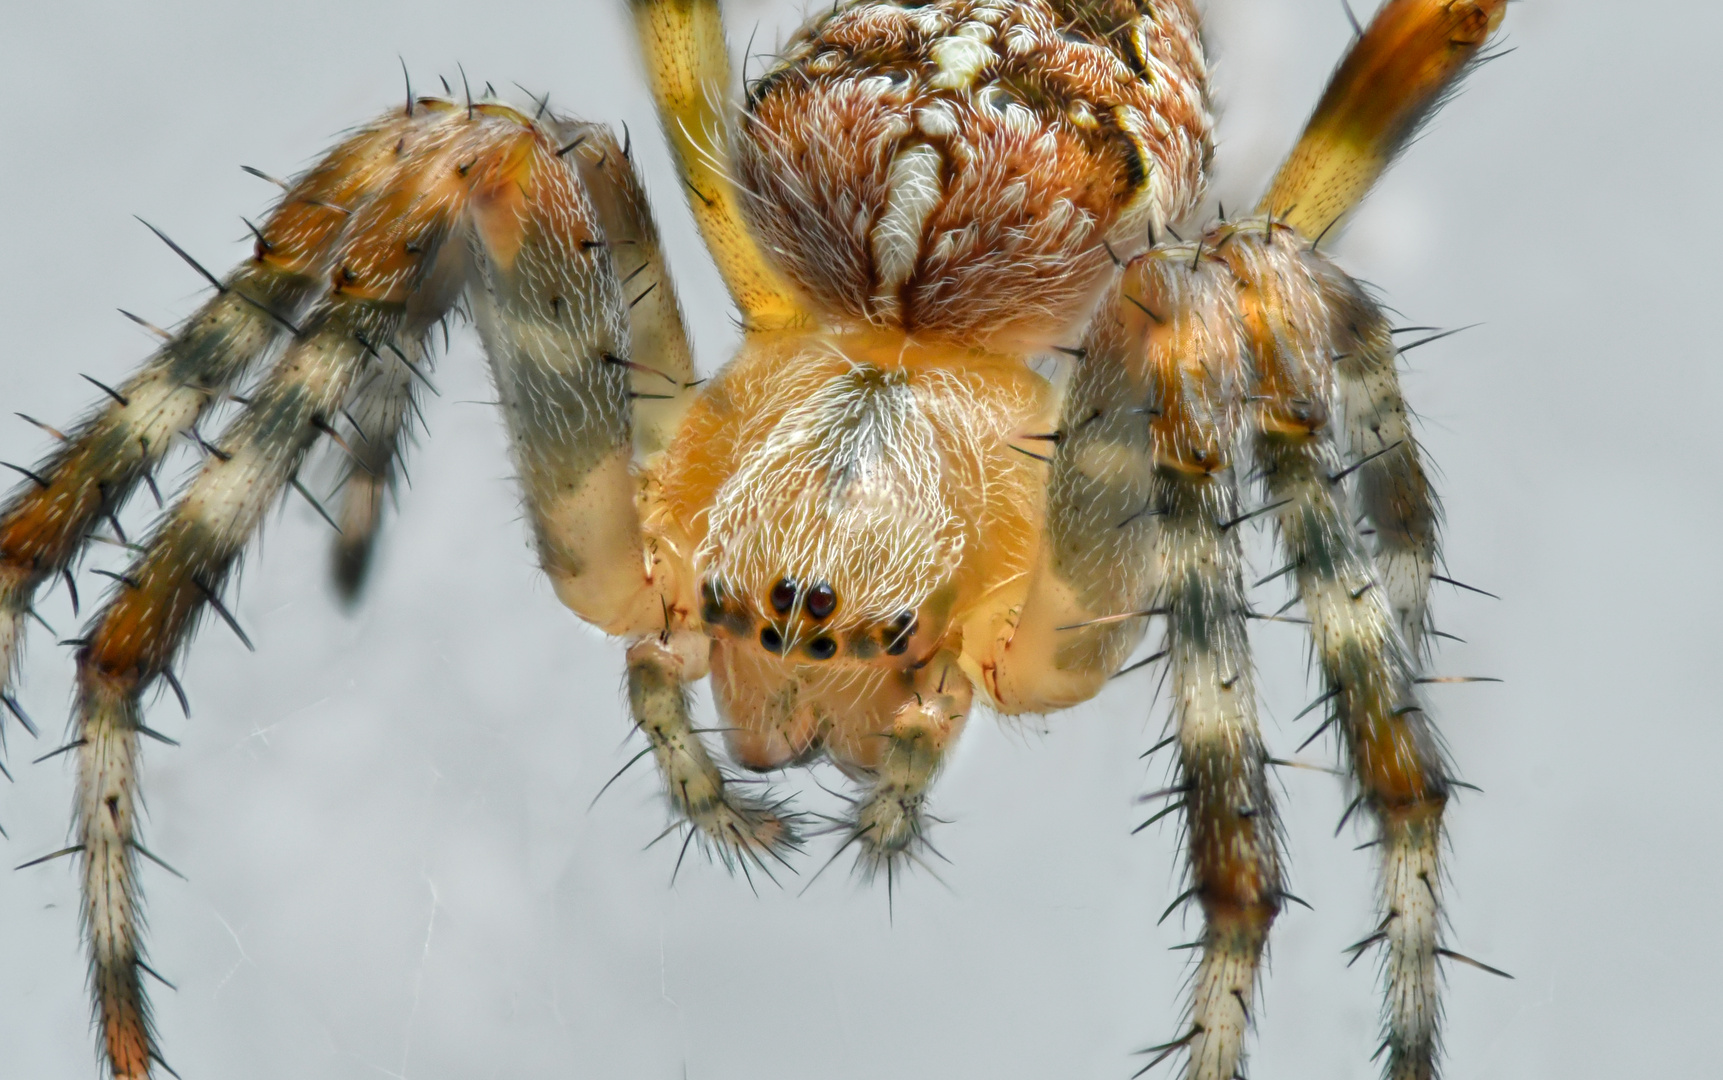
[(688, 66), (1393, 78)]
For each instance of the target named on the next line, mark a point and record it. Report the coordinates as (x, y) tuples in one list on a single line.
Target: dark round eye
[(784, 596), (897, 635), (822, 648), (821, 600), (772, 640), (711, 607)]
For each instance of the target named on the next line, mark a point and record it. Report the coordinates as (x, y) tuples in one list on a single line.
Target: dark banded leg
[(1391, 487), (147, 620), (1368, 618), (403, 257), (1185, 316), (736, 828), (91, 474), (1368, 673)]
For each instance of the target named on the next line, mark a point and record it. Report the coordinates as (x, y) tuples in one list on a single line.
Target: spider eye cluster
[(793, 615), (817, 602)]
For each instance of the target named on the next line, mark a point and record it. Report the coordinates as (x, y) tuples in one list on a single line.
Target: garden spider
[(901, 559)]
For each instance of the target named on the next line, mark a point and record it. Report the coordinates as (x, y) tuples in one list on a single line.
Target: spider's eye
[(822, 648), (821, 600), (711, 606), (784, 596), (897, 635), (772, 640)]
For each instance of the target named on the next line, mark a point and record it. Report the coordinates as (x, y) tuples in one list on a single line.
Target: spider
[(992, 422)]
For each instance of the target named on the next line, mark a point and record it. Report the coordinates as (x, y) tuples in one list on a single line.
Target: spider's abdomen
[(956, 167)]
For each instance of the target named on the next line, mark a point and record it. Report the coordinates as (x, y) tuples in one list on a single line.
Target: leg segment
[(1393, 489), (143, 625), (91, 475), (427, 195), (1368, 673), (739, 830), (152, 613), (1186, 319), (1095, 567), (688, 65), (549, 308), (1392, 80), (662, 365), (1141, 512), (1228, 811)]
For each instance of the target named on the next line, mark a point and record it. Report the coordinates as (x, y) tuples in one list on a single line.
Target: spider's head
[(795, 675), (838, 532)]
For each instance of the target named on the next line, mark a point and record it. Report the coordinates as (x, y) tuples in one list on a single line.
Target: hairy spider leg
[(390, 249), (385, 232), (688, 67), (1394, 78), (1179, 325), (549, 309), (91, 474), (1368, 618), (661, 365), (1392, 749), (1392, 486), (1086, 604), (737, 828)]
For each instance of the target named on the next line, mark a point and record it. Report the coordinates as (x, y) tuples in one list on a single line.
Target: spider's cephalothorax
[(888, 501)]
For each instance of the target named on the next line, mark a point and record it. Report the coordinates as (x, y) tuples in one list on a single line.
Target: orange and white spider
[(991, 422)]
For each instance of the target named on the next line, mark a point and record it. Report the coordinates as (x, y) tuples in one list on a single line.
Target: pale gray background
[(393, 870)]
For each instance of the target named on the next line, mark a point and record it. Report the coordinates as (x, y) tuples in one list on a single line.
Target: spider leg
[(430, 200), (376, 423), (95, 469), (1141, 520), (1186, 327), (1393, 751), (889, 822), (1367, 617), (389, 250), (1393, 79), (662, 374), (688, 66), (737, 829), (1089, 595), (1393, 489)]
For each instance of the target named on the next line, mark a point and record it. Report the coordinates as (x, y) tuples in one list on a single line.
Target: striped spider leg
[(536, 222), (1325, 414), (1248, 350)]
